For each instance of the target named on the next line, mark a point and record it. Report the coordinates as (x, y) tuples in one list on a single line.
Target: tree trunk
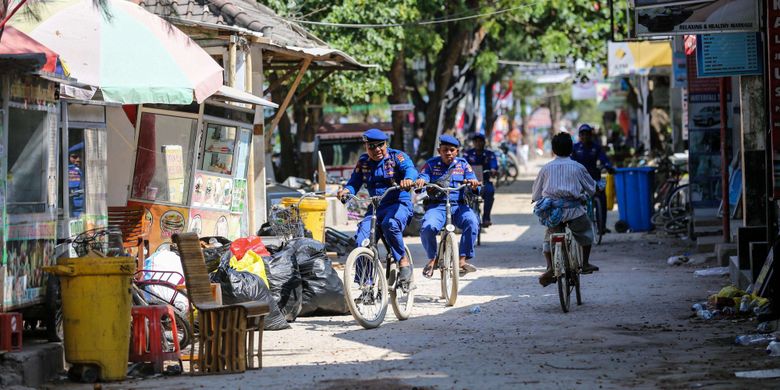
[(308, 132), (287, 165), (447, 58), (397, 79)]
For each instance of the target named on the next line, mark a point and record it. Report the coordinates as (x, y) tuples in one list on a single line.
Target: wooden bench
[(226, 341)]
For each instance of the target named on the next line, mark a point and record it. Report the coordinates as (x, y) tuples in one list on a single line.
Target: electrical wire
[(446, 19)]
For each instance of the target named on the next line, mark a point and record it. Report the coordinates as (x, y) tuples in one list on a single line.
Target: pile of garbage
[(731, 302), (294, 279)]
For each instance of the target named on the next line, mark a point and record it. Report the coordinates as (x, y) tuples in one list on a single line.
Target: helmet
[(586, 128)]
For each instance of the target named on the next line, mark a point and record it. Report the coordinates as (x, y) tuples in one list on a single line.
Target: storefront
[(190, 167), (28, 186)]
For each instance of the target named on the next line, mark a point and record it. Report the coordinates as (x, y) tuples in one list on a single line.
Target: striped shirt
[(564, 178)]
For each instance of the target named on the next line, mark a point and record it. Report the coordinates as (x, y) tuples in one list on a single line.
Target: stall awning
[(239, 96), (19, 50), (131, 56), (639, 58)]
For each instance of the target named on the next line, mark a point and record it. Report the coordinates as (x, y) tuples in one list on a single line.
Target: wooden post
[(724, 164), (322, 172), (231, 65), (250, 173), (288, 98)]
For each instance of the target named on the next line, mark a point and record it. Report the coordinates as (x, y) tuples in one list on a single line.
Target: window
[(163, 161), (28, 143), (219, 147)]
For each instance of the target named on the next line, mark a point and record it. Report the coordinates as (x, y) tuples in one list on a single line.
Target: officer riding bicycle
[(485, 158), (448, 170), (379, 169)]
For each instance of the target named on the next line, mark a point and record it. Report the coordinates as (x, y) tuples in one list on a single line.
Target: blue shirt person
[(379, 169), (448, 170), (75, 180), (589, 154), (479, 156)]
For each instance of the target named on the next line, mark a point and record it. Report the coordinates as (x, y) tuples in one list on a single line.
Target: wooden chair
[(227, 332), (131, 221)]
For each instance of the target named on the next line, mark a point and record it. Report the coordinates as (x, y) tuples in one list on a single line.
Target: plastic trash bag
[(284, 279), (216, 247), (240, 286), (323, 291), (252, 262), (165, 260), (240, 246)]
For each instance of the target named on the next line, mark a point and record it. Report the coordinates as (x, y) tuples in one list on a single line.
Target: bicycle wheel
[(475, 207), (678, 202), (365, 288), (598, 224), (402, 297), (449, 263), (575, 266), (511, 173), (678, 225), (564, 290), (183, 329)]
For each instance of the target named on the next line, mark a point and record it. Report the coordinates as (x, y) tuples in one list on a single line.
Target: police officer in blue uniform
[(378, 169), (589, 153), (479, 156), (448, 170), (75, 180)]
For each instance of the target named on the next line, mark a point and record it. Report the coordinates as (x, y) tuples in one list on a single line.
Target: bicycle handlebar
[(446, 189), (350, 196)]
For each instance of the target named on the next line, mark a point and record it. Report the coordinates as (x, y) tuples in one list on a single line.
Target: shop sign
[(722, 55), (239, 196), (212, 191), (640, 58), (653, 3), (402, 107), (697, 18), (773, 63), (174, 166)]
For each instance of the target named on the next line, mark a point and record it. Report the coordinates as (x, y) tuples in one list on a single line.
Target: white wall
[(121, 155)]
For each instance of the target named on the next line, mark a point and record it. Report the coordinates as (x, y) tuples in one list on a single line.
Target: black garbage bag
[(214, 256), (285, 280), (323, 291), (241, 286)]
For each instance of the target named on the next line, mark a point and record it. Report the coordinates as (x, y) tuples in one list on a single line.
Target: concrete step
[(707, 222), (707, 243), (739, 277), (725, 251), (706, 230), (36, 364)]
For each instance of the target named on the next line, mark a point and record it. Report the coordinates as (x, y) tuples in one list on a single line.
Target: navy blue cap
[(449, 140), (374, 135), (585, 127), (478, 135), (76, 147)]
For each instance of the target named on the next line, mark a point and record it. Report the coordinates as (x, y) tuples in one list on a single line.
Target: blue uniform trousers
[(392, 220), (489, 195), (462, 217)]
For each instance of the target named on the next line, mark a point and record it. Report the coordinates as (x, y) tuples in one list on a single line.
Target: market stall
[(191, 166)]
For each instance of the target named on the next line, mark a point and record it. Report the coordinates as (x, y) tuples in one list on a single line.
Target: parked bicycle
[(507, 167), (672, 203), (567, 266), (367, 283), (286, 222), (447, 259)]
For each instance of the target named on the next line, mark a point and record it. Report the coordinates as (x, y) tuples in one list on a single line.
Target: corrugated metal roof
[(245, 14)]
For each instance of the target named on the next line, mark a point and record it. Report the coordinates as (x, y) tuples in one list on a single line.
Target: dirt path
[(634, 329)]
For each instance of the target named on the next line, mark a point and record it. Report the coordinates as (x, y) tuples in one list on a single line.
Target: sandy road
[(634, 329)]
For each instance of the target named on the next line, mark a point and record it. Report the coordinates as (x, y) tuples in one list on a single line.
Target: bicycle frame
[(574, 259), (448, 226), (372, 236)]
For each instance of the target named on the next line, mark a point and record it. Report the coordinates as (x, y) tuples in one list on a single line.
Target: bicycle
[(567, 266), (595, 212), (286, 222), (365, 283), (475, 202), (674, 207), (447, 257)]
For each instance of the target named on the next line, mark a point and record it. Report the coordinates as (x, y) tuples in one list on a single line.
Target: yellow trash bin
[(96, 305), (312, 214), (610, 192)]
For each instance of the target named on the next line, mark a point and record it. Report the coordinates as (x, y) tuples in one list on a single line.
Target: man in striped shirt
[(566, 179)]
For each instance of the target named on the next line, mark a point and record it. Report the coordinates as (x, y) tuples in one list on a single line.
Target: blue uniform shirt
[(434, 170), (380, 175), (589, 158), (487, 160)]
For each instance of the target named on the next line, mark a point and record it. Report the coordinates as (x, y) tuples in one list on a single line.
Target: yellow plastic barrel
[(312, 214), (96, 305), (610, 192)]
